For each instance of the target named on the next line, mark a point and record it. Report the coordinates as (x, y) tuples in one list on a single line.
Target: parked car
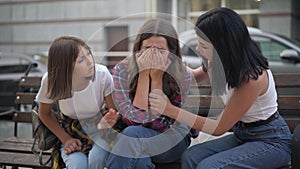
[(283, 53), (12, 67)]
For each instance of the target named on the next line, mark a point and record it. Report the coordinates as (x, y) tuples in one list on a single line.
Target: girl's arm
[(110, 118), (240, 102), (143, 60), (141, 95), (110, 102), (160, 63), (45, 114), (122, 97)]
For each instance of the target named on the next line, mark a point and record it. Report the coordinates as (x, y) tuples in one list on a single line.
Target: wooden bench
[(16, 151)]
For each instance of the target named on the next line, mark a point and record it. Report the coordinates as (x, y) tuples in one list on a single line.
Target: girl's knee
[(98, 160), (133, 131), (76, 160), (97, 157), (95, 163), (78, 165)]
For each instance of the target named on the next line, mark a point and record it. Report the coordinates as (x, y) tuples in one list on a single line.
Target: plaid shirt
[(136, 116)]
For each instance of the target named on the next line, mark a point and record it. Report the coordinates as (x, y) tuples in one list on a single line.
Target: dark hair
[(175, 72), (62, 55), (236, 55)]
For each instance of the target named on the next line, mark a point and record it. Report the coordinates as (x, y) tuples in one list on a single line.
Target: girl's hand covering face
[(154, 59), (158, 102), (143, 59), (160, 59)]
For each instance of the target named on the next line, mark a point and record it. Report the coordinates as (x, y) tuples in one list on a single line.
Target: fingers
[(153, 58), (168, 62), (161, 59), (143, 59), (72, 145), (109, 119)]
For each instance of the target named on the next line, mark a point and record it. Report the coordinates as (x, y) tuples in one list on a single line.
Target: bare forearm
[(109, 101), (194, 121), (184, 117), (156, 84), (51, 122), (142, 92)]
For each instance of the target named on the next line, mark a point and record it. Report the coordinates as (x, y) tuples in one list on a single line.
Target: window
[(248, 9), (117, 38)]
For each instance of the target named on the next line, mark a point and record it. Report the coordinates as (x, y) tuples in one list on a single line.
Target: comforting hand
[(109, 119), (158, 102), (72, 145)]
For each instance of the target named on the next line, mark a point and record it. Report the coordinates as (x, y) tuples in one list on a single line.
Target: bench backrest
[(28, 87)]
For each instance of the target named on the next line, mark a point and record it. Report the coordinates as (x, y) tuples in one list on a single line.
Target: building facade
[(29, 26)]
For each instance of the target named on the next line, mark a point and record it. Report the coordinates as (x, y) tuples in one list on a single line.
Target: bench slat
[(23, 140), (29, 81), (24, 98), (19, 145), (203, 102), (282, 80), (23, 117), (292, 122), (289, 102), (21, 159), (290, 80), (16, 147)]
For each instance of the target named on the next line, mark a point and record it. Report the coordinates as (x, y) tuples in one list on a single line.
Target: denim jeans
[(266, 146), (137, 147), (97, 155)]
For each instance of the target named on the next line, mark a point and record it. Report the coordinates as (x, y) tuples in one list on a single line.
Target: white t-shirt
[(264, 106), (87, 102)]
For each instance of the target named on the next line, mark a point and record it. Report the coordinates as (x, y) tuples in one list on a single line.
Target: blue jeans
[(267, 146), (137, 147), (97, 155)]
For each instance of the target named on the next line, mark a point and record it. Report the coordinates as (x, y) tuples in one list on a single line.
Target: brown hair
[(62, 55), (174, 74)]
